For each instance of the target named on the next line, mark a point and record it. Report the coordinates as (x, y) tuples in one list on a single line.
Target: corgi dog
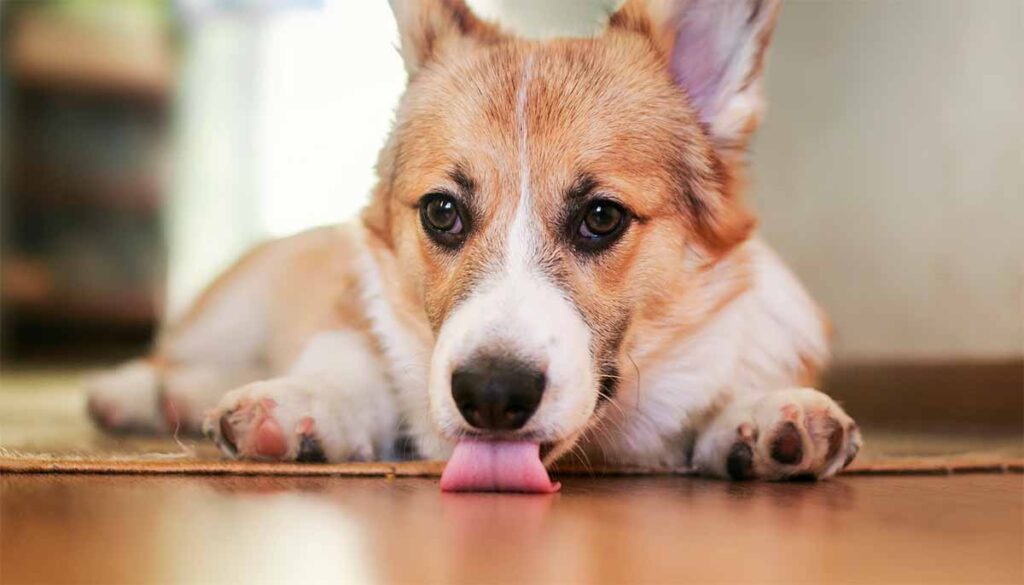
[(556, 261)]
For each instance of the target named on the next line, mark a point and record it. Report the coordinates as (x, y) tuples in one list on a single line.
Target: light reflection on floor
[(124, 529), (259, 538)]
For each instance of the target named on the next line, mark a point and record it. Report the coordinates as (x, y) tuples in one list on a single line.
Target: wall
[(890, 172)]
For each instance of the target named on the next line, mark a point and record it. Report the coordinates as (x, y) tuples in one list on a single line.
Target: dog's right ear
[(715, 49), (425, 27)]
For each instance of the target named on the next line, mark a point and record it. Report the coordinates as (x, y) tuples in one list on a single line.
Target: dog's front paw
[(284, 419), (789, 434)]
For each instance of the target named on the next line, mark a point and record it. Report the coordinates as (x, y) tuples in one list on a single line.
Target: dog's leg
[(188, 392), (147, 396), (219, 344), (335, 404), (126, 398), (786, 434)]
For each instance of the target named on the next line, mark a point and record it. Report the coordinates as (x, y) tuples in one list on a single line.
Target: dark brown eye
[(442, 215), (598, 225), (442, 219), (601, 224), (602, 218)]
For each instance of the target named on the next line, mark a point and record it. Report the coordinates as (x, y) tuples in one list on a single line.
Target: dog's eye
[(442, 219), (442, 214), (601, 223), (601, 219)]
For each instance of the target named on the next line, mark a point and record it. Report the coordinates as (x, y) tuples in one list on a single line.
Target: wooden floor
[(118, 529), (81, 528)]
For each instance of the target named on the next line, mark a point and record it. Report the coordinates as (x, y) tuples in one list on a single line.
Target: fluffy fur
[(687, 341)]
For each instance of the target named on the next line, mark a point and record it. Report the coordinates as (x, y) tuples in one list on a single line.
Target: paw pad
[(310, 450), (269, 440), (787, 447), (740, 463)]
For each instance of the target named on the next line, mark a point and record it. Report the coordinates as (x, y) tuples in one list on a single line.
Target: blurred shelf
[(49, 50), (86, 110), (31, 292), (124, 309), (45, 189)]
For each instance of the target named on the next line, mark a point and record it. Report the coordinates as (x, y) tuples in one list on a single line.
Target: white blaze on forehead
[(517, 310), (520, 245)]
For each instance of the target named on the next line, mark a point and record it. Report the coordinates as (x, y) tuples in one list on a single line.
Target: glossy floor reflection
[(120, 529)]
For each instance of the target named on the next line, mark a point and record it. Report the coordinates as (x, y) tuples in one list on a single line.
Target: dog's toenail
[(227, 434), (835, 439), (854, 449), (310, 450), (740, 463), (788, 445)]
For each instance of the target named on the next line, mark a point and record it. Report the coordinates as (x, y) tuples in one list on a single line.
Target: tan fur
[(201, 305), (606, 107), (313, 292), (513, 129), (311, 286)]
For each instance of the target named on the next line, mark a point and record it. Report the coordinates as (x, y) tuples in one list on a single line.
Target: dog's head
[(542, 196)]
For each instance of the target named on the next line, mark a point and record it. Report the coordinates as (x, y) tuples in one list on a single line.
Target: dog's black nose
[(497, 394)]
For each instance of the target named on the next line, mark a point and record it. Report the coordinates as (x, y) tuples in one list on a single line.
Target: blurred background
[(147, 143)]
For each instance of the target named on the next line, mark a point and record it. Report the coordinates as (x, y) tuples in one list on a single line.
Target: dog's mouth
[(481, 463)]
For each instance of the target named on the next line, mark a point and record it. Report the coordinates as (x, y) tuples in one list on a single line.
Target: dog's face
[(541, 196)]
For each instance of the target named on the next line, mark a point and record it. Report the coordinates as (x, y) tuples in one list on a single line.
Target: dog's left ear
[(426, 27), (715, 50)]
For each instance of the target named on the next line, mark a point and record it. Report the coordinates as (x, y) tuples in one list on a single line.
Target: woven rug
[(43, 429)]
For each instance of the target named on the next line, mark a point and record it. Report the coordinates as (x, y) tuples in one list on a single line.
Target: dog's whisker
[(581, 455), (637, 369), (606, 422)]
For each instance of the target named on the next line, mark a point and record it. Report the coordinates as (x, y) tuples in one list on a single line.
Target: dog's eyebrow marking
[(583, 185), (459, 177)]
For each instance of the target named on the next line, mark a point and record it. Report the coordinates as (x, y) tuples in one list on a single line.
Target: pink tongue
[(496, 466)]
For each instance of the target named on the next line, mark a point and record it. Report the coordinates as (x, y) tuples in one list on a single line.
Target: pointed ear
[(715, 50), (426, 26)]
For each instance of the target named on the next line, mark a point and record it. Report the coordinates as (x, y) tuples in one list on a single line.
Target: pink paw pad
[(269, 440), (251, 430)]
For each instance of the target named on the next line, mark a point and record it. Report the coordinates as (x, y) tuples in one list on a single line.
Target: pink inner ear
[(715, 50), (700, 70)]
